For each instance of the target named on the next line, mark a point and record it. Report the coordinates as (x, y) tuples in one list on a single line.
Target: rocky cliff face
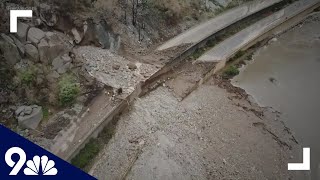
[(33, 63)]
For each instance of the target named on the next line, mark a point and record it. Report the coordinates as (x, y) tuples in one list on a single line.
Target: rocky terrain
[(75, 61), (70, 50)]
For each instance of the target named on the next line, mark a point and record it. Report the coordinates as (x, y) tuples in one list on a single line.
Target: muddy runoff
[(285, 76)]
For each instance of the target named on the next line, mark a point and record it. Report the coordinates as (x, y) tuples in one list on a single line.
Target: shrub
[(68, 90), (86, 154), (239, 55), (197, 53), (231, 71), (45, 112), (27, 77)]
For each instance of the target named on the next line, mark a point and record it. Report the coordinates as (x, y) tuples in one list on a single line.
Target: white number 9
[(15, 165)]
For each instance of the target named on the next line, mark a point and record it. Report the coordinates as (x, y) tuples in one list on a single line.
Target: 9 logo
[(36, 166)]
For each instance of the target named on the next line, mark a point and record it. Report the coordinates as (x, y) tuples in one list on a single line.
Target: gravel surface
[(112, 69), (208, 135)]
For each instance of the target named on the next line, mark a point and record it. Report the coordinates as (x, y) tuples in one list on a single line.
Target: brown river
[(285, 75)]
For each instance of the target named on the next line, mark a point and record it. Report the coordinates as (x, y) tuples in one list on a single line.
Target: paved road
[(218, 23), (230, 46)]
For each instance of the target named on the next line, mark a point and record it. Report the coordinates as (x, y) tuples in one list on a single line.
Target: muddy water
[(285, 75)]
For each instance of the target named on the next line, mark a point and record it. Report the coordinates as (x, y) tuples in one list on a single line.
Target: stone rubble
[(29, 116), (113, 70)]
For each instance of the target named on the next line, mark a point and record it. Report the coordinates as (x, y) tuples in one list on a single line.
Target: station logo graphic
[(47, 166), (34, 167), (22, 159)]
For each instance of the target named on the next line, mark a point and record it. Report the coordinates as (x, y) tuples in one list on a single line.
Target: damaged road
[(211, 134)]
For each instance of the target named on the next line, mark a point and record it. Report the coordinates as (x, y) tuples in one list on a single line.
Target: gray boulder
[(28, 110), (6, 38), (100, 34), (77, 36), (53, 76), (57, 63), (132, 66), (64, 68), (44, 51), (29, 116), (66, 58), (22, 31), (20, 110), (35, 35), (51, 47), (62, 64), (9, 49), (19, 45), (32, 52)]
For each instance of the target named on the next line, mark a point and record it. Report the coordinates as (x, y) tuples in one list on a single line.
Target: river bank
[(284, 75)]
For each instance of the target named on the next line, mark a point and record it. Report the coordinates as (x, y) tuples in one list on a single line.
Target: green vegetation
[(68, 90), (231, 71), (86, 154), (249, 56), (84, 159), (239, 54), (45, 112), (27, 77), (212, 42), (197, 53)]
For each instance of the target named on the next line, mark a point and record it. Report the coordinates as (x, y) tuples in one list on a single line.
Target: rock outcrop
[(51, 47), (32, 52), (77, 36), (35, 35), (9, 49), (29, 116), (19, 45), (22, 31), (62, 64), (100, 34)]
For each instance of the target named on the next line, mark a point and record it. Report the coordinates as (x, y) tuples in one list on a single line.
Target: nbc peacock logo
[(42, 166), (36, 166)]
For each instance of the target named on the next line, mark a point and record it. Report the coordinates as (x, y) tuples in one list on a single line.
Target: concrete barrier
[(202, 31), (225, 50), (79, 138)]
